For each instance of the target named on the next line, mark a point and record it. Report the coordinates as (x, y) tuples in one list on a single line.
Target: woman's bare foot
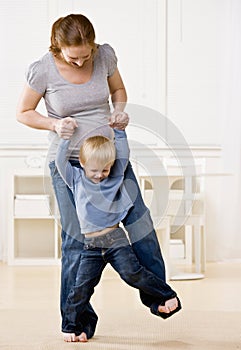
[(83, 337), (170, 305), (69, 337)]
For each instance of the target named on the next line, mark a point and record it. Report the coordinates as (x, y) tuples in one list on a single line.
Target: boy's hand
[(119, 120), (65, 127)]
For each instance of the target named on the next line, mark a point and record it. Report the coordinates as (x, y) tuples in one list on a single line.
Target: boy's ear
[(81, 163)]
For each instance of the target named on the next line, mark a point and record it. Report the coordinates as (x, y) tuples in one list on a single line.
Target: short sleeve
[(36, 77), (110, 58)]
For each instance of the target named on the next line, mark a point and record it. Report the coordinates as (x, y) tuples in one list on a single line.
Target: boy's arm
[(122, 152), (64, 167)]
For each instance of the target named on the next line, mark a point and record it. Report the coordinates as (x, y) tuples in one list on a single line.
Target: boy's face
[(96, 172)]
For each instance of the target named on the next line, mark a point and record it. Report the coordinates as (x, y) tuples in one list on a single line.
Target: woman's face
[(77, 56)]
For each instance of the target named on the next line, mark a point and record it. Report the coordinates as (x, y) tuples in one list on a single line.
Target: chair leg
[(188, 244), (203, 247), (197, 247)]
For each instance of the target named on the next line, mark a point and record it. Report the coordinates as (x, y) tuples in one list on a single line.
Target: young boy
[(101, 203)]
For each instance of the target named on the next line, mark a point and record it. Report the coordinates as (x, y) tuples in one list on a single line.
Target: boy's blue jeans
[(113, 248), (138, 224)]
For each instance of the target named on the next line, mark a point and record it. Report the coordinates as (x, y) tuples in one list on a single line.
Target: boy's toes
[(170, 307)]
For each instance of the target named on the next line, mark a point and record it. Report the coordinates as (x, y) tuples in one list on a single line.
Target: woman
[(76, 79)]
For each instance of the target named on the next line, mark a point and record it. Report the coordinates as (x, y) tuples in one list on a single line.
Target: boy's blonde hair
[(97, 148)]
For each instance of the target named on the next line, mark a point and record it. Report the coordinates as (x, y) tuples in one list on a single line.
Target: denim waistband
[(114, 238)]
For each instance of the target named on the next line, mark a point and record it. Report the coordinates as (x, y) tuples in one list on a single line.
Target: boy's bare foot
[(83, 337), (170, 305), (69, 337), (166, 308)]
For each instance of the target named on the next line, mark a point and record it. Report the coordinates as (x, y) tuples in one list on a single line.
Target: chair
[(187, 209), (174, 193)]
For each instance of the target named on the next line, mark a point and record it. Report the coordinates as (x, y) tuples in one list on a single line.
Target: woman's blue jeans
[(138, 224)]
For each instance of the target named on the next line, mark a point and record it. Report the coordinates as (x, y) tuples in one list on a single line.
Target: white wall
[(130, 27), (203, 100), (196, 67), (172, 56), (24, 30)]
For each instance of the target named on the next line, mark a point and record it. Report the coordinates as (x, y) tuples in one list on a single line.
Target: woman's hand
[(65, 127), (119, 120)]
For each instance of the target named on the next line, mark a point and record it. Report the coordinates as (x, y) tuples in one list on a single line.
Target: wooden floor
[(210, 319)]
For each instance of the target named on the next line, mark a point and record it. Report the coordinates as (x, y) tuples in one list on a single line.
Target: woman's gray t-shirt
[(88, 103)]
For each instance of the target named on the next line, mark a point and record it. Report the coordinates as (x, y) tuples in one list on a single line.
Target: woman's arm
[(117, 91), (119, 119), (27, 114)]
